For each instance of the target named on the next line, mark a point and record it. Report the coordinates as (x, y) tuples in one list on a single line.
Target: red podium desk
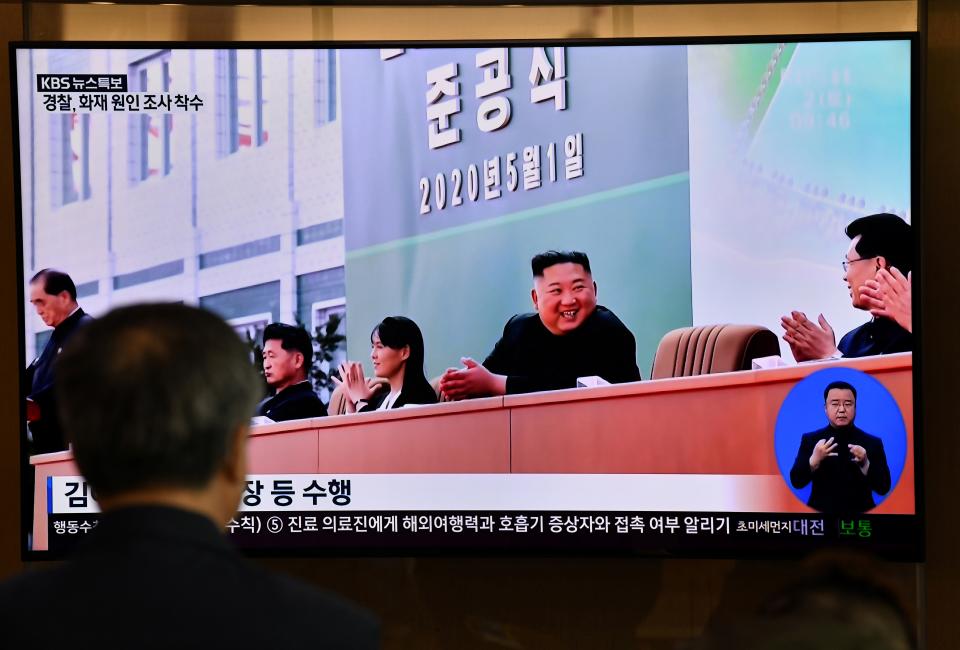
[(709, 424)]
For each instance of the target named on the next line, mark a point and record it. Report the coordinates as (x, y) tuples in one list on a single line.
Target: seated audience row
[(569, 335)]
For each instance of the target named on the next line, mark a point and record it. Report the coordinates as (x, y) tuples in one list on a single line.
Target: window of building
[(242, 105), (325, 86), (250, 328), (71, 158), (69, 139), (151, 131), (78, 186)]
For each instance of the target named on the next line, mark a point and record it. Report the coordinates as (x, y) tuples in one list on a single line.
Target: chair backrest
[(338, 402), (712, 348)]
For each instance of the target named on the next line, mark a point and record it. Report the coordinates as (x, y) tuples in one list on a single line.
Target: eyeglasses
[(847, 263)]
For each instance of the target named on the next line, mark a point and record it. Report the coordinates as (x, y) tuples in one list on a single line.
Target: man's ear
[(235, 464), (298, 360), (533, 297), (882, 262), (594, 288)]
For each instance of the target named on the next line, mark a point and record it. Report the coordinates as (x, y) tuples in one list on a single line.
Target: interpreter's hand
[(808, 340), (821, 450), (473, 380), (889, 295), (859, 455), (355, 385)]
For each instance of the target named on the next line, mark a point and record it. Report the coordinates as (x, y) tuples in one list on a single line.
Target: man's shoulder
[(293, 403), (876, 336), (606, 316), (301, 602), (82, 318), (604, 320), (225, 588), (856, 330), (520, 324), (848, 339), (819, 434), (296, 614), (309, 598), (869, 438), (20, 597), (35, 597), (21, 590), (522, 320), (302, 392)]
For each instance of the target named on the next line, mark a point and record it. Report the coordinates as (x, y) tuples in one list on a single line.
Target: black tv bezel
[(914, 554)]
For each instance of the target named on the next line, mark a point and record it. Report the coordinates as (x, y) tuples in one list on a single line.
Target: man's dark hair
[(842, 385), (855, 608), (291, 337), (55, 282), (884, 235), (837, 601), (152, 396), (550, 258)]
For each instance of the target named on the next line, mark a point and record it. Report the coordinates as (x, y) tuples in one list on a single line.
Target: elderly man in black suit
[(54, 295)]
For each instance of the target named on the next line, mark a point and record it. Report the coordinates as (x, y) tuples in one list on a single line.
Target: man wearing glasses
[(877, 270), (845, 464)]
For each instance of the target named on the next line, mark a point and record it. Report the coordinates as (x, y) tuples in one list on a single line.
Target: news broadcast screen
[(556, 297)]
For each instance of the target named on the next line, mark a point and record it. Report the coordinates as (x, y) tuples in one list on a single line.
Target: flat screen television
[(664, 395)]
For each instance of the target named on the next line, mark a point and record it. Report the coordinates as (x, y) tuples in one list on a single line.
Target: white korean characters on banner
[(538, 161), (548, 81), (538, 166)]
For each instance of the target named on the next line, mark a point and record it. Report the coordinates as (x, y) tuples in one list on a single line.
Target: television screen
[(622, 296)]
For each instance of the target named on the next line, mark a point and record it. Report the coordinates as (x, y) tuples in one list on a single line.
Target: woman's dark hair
[(398, 332)]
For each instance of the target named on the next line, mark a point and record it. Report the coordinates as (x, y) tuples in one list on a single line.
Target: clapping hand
[(355, 385), (889, 295), (472, 380), (808, 340)]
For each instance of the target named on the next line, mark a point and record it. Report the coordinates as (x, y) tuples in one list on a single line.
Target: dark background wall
[(577, 602)]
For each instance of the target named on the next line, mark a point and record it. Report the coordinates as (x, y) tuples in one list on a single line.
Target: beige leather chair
[(708, 349)]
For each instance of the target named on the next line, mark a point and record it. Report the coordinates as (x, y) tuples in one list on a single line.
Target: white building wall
[(242, 197), (152, 217)]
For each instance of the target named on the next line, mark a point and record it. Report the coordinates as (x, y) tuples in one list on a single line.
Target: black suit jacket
[(534, 359), (46, 432), (416, 394), (154, 577), (839, 487), (876, 336), (293, 403)]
